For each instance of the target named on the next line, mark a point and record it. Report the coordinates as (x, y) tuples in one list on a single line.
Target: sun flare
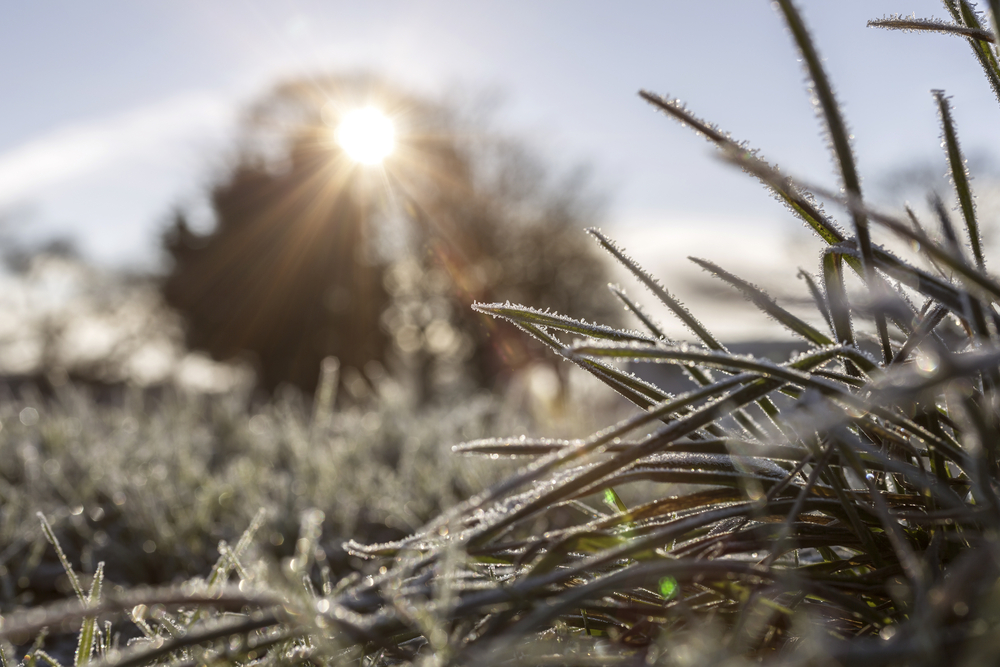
[(366, 135)]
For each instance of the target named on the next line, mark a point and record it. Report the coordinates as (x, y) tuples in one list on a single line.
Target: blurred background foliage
[(310, 255)]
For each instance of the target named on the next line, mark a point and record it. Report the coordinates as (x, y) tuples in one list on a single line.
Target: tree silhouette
[(312, 255)]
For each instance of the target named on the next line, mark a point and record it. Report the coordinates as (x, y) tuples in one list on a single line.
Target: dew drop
[(927, 363)]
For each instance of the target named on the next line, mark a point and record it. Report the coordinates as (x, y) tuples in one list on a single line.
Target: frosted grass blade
[(900, 270), (722, 361), (926, 326), (640, 392), (638, 311), (799, 201), (917, 227), (67, 567), (911, 24), (818, 298), (699, 375), (842, 151), (963, 13), (960, 176), (995, 20), (666, 435), (766, 303), (687, 318), (654, 286), (525, 315), (89, 631)]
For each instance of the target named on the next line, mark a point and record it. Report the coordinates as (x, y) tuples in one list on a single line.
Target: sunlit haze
[(366, 135)]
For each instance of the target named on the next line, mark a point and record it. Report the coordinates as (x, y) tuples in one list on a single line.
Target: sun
[(366, 135)]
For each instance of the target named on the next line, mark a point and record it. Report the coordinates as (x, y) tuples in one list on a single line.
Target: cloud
[(79, 150)]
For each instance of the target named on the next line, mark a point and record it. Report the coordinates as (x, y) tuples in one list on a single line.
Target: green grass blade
[(765, 369), (766, 303), (995, 19), (700, 376), (88, 633), (963, 13), (654, 286), (909, 23), (73, 579), (525, 315), (960, 177), (898, 269), (836, 294), (818, 298), (639, 312), (797, 200), (843, 153)]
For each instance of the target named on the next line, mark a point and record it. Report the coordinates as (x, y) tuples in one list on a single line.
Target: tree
[(313, 255)]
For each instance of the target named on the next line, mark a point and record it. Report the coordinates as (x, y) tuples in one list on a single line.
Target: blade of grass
[(842, 151), (692, 323), (926, 326), (920, 229), (654, 286), (67, 567), (765, 369), (963, 13), (766, 303), (85, 643), (840, 311), (909, 23), (959, 176), (698, 375), (525, 315), (657, 442), (799, 201), (639, 312), (818, 298), (900, 270)]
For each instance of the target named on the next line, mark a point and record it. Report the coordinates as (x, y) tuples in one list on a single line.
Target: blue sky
[(114, 111)]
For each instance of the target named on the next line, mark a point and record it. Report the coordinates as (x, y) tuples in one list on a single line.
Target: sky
[(114, 112)]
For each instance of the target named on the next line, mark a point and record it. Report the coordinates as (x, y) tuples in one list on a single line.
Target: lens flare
[(366, 135)]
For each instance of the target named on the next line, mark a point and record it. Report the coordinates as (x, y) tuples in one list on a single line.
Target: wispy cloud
[(151, 132)]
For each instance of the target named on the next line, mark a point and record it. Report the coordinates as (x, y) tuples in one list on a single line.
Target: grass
[(842, 507)]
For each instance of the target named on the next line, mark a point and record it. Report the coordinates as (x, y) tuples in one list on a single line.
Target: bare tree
[(312, 255)]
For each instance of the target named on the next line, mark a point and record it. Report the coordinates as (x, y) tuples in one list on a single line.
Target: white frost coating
[(520, 446), (655, 328), (727, 463), (654, 286), (912, 23), (548, 318), (724, 140), (726, 360), (766, 303)]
